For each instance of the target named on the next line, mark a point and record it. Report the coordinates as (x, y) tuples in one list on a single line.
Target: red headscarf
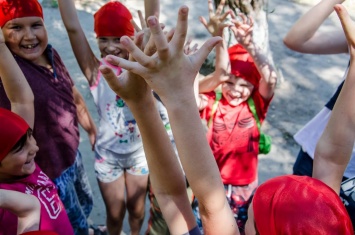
[(293, 205), (113, 20), (12, 128), (12, 9), (242, 65), (40, 233)]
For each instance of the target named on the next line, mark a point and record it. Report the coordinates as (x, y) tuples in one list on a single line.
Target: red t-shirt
[(234, 138), (53, 214)]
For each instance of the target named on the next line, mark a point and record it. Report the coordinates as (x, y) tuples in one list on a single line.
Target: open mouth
[(28, 162), (30, 46)]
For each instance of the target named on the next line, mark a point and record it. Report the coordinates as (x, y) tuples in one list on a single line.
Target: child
[(176, 91), (58, 105), (120, 165), (163, 74), (18, 171), (307, 36), (233, 132), (280, 205)]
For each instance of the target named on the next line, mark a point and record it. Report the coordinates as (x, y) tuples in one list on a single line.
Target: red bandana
[(113, 20), (293, 205), (12, 9), (242, 65), (12, 128), (40, 233)]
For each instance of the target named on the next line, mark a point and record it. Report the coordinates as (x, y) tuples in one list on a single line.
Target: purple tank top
[(56, 126)]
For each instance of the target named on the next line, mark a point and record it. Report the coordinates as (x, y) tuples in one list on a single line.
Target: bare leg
[(136, 186), (114, 199)]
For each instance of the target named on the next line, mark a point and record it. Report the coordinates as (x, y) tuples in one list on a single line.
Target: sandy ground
[(308, 80)]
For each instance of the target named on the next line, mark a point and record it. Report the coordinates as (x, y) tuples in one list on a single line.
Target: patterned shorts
[(109, 166)]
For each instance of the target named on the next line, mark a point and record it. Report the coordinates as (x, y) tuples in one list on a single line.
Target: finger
[(138, 40), (203, 21), (224, 16), (220, 7), (141, 19), (251, 21), (200, 56), (170, 34), (159, 38), (136, 53), (346, 22), (150, 47), (194, 48), (181, 28), (110, 77), (210, 8), (136, 27)]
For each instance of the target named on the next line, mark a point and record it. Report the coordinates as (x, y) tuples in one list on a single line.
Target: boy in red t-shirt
[(233, 132)]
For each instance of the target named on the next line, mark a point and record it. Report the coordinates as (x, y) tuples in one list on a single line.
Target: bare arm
[(87, 61), (171, 74), (152, 8), (215, 27), (243, 31), (335, 146), (15, 84), (165, 173), (305, 37), (84, 117), (26, 207)]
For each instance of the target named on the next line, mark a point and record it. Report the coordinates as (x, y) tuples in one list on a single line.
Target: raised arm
[(15, 84), (171, 74), (335, 146), (215, 27), (87, 61), (152, 8), (243, 31), (305, 36), (26, 207)]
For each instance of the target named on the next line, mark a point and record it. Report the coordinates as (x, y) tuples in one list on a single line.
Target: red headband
[(242, 65), (12, 128), (40, 233), (12, 9), (292, 205), (113, 20)]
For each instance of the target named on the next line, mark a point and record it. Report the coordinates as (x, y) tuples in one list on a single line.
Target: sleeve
[(261, 105)]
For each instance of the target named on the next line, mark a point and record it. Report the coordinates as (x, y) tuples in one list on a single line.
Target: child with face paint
[(120, 165), (58, 106), (28, 198)]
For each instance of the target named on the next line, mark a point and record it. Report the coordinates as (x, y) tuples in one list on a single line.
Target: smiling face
[(236, 90), (26, 37), (111, 46), (19, 162)]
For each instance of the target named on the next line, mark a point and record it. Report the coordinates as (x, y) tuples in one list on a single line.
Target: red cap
[(293, 205), (40, 233), (242, 65), (12, 128), (113, 20), (12, 9)]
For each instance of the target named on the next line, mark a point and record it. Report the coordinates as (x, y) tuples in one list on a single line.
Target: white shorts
[(109, 165)]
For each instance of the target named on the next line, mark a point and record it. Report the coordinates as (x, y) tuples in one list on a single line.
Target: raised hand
[(243, 29), (169, 72), (188, 49), (348, 27), (216, 23)]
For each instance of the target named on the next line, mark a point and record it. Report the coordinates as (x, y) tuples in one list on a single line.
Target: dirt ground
[(308, 82)]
